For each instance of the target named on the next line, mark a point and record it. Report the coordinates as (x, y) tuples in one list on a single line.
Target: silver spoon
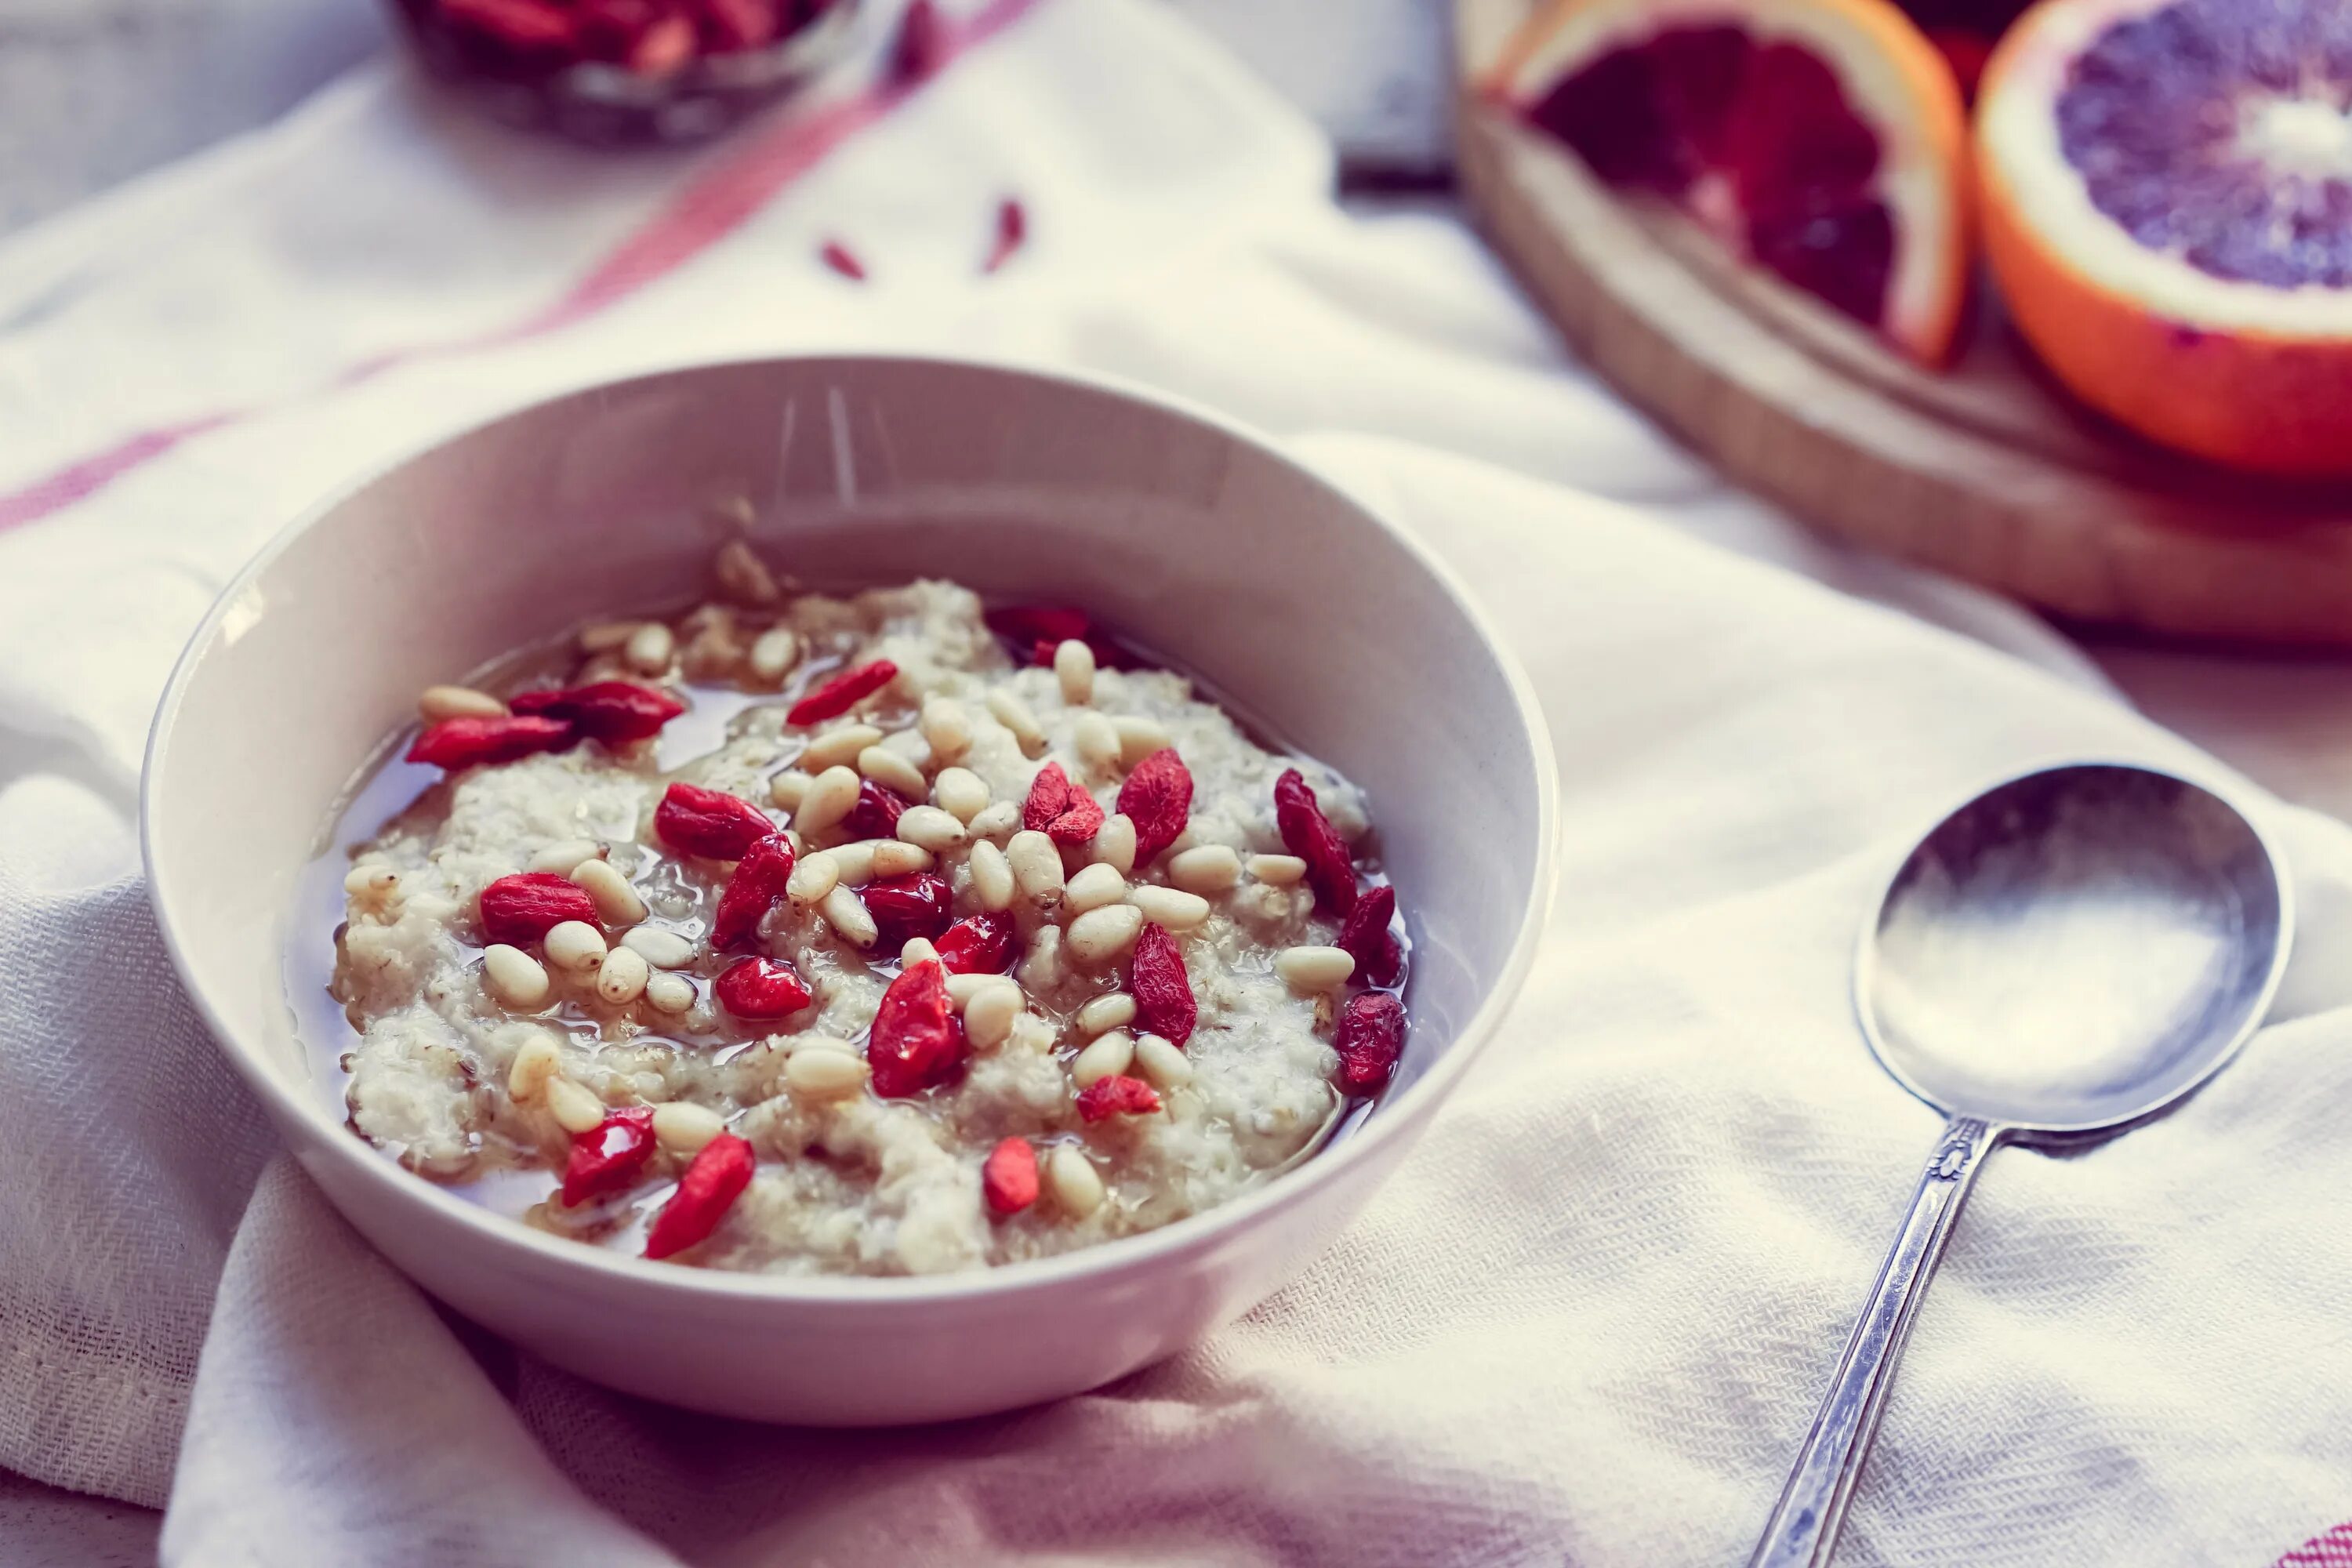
[(2068, 954)]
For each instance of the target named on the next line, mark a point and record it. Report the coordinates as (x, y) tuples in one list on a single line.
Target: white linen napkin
[(1590, 1317)]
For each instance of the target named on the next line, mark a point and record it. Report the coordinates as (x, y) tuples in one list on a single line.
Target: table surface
[(95, 91)]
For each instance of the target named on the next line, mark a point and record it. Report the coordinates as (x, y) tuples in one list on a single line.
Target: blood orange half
[(2168, 195), (1821, 139)]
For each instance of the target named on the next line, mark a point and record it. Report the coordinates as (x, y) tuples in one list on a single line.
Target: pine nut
[(607, 636), (743, 575), (991, 877), (1074, 668), (683, 1127), (1113, 1010), (1170, 907), (514, 977), (1036, 866), (1100, 935), (814, 875), (617, 901), (621, 978), (837, 748), (893, 772), (1041, 966), (829, 799), (373, 880), (788, 788), (651, 647), (773, 654), (824, 1075), (1000, 821), (1312, 969), (1013, 714), (576, 1110), (1096, 740), (1109, 1054), (988, 1016), (846, 913), (438, 703), (1138, 738), (929, 828), (535, 1062), (575, 946), (853, 864), (566, 857), (962, 988), (1078, 1190), (1162, 1065), (670, 993), (662, 949), (1092, 887), (919, 950), (947, 725), (1114, 844), (893, 857), (1212, 868), (1276, 870), (960, 793)]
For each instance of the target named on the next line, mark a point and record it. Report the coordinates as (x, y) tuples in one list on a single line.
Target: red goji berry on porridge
[(875, 934)]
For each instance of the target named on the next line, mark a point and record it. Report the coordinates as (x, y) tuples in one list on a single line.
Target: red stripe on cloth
[(2332, 1550), (712, 206)]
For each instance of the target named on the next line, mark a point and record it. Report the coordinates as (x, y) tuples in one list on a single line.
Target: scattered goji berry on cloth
[(455, 743), (1162, 990), (917, 904), (1380, 957), (610, 1157), (760, 990), (523, 909), (1158, 798), (1371, 1039), (1008, 1178), (980, 945), (1011, 232), (1308, 834), (916, 1040), (843, 261), (613, 712), (705, 1194), (710, 822), (758, 882), (842, 693), (1117, 1095), (921, 47)]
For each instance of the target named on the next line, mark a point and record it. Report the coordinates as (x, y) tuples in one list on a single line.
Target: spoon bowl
[(2070, 953)]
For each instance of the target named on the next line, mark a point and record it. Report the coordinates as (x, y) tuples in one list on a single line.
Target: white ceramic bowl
[(1320, 621)]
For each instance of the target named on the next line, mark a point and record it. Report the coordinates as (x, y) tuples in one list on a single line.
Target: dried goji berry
[(1027, 624), (1079, 822), (842, 693), (532, 26), (1156, 977), (1371, 1039), (1308, 834), (980, 945), (1008, 1178), (916, 1040), (914, 905), (522, 909), (609, 1157), (843, 261), (1117, 1095), (921, 47), (1012, 231), (738, 24), (710, 822), (1158, 798), (1378, 955), (455, 743), (705, 1194), (609, 29), (761, 989), (758, 882), (613, 712), (1049, 796), (662, 50), (877, 813)]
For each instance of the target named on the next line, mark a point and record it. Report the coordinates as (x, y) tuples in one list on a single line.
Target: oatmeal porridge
[(962, 937)]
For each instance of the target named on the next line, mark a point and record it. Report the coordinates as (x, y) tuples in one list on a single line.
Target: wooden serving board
[(1988, 471)]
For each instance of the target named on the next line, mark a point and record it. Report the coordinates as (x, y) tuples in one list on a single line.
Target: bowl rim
[(1118, 1257)]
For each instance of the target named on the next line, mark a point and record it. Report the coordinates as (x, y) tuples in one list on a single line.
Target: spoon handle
[(1804, 1525)]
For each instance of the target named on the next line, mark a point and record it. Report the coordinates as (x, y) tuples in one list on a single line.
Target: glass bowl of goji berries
[(618, 71)]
